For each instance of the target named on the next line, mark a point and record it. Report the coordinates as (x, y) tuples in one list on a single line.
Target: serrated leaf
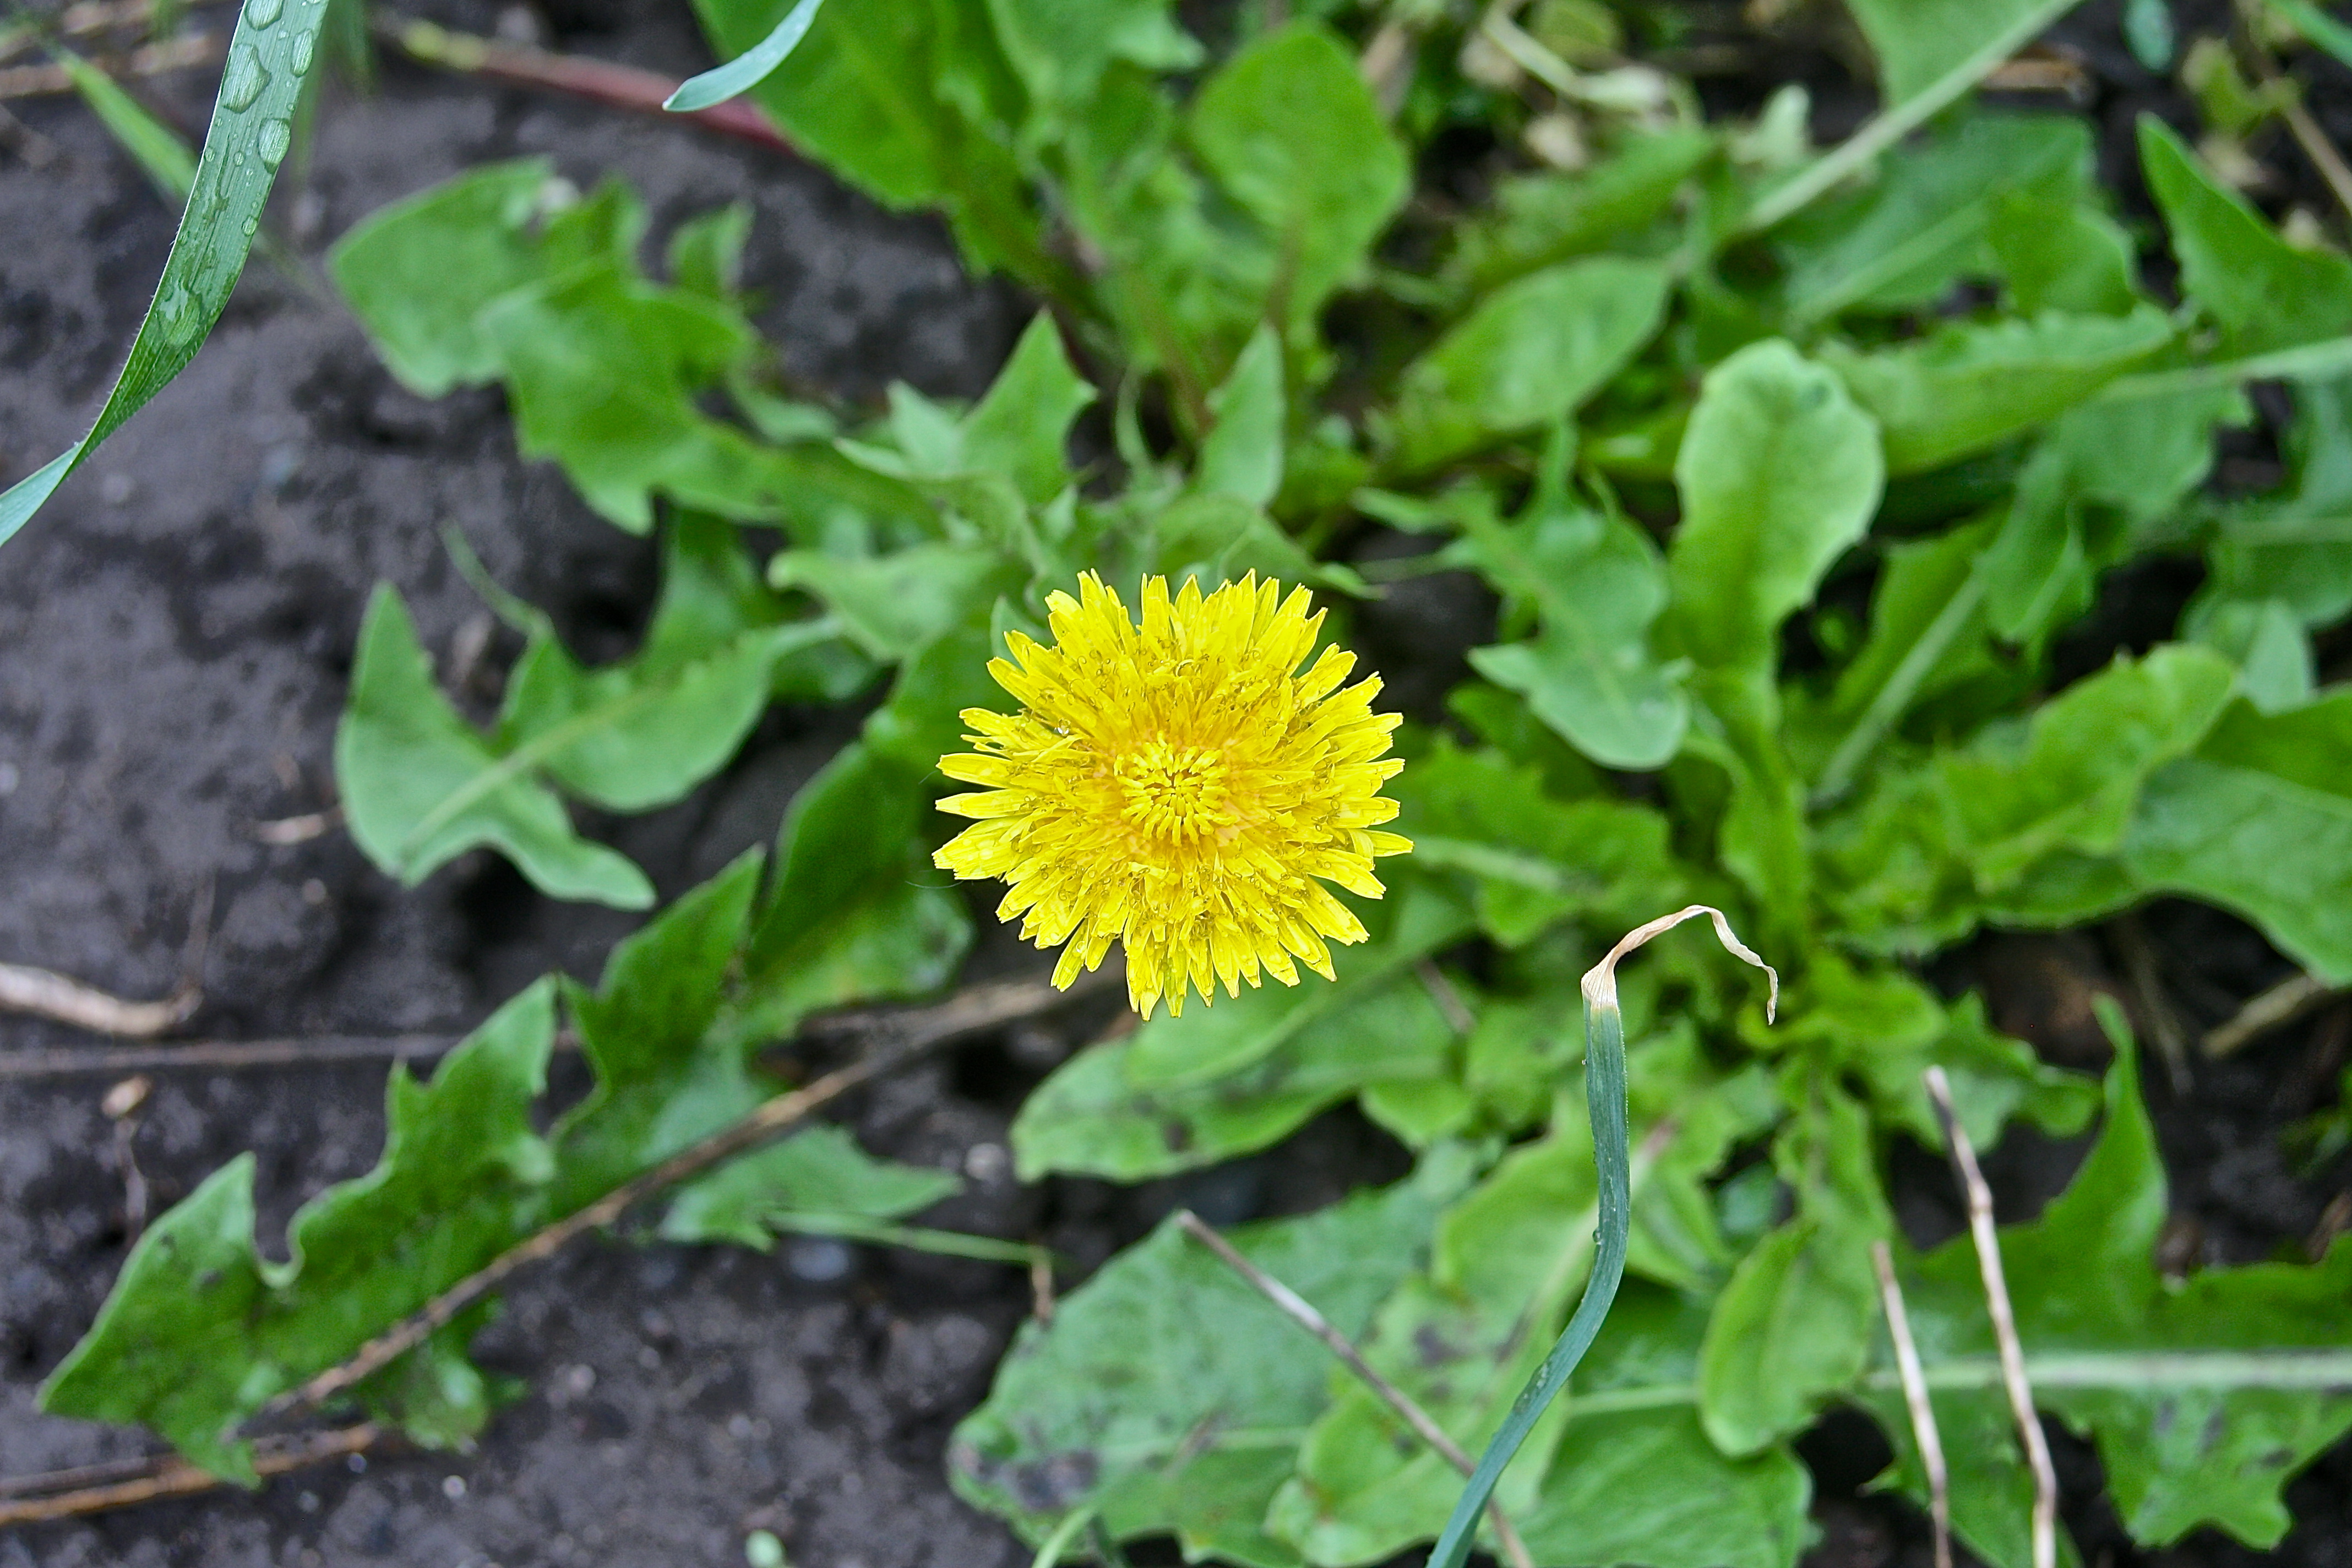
[(2264, 292), (1164, 1378), (1527, 357), (821, 1171), (2192, 1391), (1967, 388), (270, 53), (200, 1332), (895, 606), (420, 785), (401, 754)]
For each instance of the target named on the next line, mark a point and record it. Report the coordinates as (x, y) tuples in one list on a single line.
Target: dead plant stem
[(1914, 1397)]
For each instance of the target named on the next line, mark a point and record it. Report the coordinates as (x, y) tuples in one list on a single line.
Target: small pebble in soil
[(987, 1164), (818, 1259), (453, 1487)]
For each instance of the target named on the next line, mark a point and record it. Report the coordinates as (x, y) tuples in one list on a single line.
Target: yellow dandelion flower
[(1178, 788)]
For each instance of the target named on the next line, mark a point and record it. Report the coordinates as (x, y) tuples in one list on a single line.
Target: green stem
[(1073, 1525), (1604, 1082)]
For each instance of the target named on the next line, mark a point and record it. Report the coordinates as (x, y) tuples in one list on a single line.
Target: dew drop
[(305, 44), (245, 79), (275, 138), (250, 226), (262, 13)]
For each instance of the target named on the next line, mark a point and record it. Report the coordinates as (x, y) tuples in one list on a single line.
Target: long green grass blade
[(748, 70), (2322, 30), (1604, 1088), (252, 127), (166, 160)]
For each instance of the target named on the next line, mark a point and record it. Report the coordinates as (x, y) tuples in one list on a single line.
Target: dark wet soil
[(175, 642)]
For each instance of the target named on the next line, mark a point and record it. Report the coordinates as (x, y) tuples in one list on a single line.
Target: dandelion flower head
[(1179, 787)]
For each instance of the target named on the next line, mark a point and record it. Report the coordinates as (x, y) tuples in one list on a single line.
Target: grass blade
[(252, 127), (749, 70), (1604, 1088), (168, 164)]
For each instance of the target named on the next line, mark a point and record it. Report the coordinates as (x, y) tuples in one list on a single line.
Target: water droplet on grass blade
[(262, 13), (305, 45), (275, 138), (245, 79)]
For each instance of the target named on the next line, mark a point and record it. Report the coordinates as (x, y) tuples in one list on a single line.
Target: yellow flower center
[(1174, 792)]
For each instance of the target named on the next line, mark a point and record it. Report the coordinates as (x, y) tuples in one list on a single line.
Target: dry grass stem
[(94, 1489), (1299, 1310), (2004, 1322), (1914, 1397), (2281, 1004), (285, 830)]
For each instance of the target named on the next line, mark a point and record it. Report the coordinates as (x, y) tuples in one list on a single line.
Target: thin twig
[(225, 1055), (1041, 1287), (1458, 1015), (2147, 972), (148, 59), (2004, 1322), (1915, 1396), (909, 1036), (2281, 1004), (2315, 145), (601, 82), (168, 1475), (1300, 1311), (48, 995)]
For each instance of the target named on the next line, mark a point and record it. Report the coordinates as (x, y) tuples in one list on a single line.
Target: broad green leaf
[(270, 53), (419, 273), (821, 1171), (1969, 387), (1927, 632), (705, 253), (2265, 639), (1779, 472), (1461, 1338), (2203, 1395), (2259, 820), (401, 754), (1534, 860), (1927, 220), (1241, 457), (1221, 537), (1597, 585), (1542, 219), (1633, 1478), (1526, 358), (912, 103), (1291, 133), (1061, 48), (200, 1332), (2063, 253), (2069, 777), (2263, 292), (1147, 1105), (1168, 1393), (1792, 1325)]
